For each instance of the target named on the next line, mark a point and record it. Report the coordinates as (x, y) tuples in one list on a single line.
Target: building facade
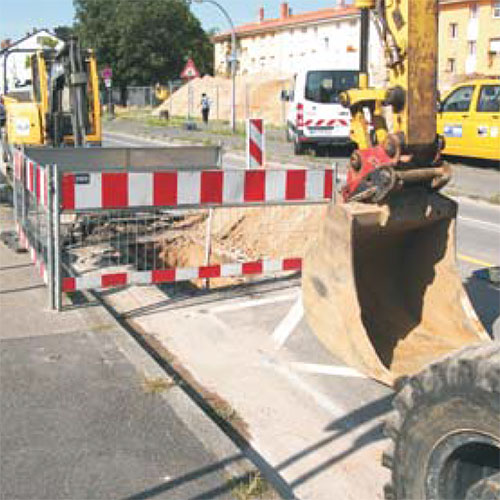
[(469, 40), (18, 71), (283, 45)]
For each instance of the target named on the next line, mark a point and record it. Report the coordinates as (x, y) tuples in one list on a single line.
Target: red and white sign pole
[(255, 143)]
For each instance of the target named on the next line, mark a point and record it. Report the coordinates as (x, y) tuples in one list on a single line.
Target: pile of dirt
[(256, 96), (243, 235)]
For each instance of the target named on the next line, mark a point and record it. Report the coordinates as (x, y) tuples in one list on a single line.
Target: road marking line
[(490, 226), (288, 323), (339, 371), (319, 398), (253, 303), (472, 260)]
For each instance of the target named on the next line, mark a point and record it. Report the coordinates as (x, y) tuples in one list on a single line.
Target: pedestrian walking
[(205, 108)]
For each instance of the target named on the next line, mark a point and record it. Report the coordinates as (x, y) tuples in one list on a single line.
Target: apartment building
[(469, 40), (284, 44)]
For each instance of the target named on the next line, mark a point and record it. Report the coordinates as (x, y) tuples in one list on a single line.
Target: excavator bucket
[(381, 289)]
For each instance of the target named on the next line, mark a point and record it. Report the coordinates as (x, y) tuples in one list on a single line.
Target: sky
[(20, 16)]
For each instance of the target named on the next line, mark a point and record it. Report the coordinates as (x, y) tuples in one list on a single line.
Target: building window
[(473, 11), (496, 10), (451, 65), (292, 31), (304, 30), (327, 42), (454, 30), (471, 44)]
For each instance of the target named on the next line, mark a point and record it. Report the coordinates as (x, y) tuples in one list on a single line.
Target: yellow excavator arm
[(401, 135), (380, 285)]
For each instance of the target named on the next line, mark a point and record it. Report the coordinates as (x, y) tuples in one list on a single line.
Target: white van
[(315, 115)]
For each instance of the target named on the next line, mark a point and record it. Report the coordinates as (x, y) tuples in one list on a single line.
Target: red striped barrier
[(107, 280), (191, 188), (35, 258), (327, 123), (255, 142)]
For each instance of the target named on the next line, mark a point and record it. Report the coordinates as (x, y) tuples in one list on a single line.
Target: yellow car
[(469, 119)]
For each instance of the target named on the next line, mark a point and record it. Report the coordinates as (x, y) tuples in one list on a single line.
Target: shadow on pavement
[(182, 295), (22, 289), (343, 426), (473, 162), (191, 476)]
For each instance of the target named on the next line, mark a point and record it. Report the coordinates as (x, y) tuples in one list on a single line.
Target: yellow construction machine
[(381, 289), (62, 107)]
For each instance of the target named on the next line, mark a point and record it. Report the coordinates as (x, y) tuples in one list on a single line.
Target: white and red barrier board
[(255, 143), (194, 188), (35, 177), (107, 280), (35, 258), (336, 122)]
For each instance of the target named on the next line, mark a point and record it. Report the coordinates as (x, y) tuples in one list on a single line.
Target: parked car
[(315, 116), (469, 119)]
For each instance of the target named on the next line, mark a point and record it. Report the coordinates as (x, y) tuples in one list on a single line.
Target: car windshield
[(325, 86)]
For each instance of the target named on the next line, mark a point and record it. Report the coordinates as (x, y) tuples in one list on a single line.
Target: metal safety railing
[(92, 226)]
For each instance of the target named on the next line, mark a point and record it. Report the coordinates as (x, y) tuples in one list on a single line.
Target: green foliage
[(64, 32), (144, 41), (47, 42)]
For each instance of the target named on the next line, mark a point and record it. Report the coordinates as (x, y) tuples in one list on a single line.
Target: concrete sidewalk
[(86, 414)]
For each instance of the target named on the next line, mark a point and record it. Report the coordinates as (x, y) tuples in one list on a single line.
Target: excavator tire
[(445, 430)]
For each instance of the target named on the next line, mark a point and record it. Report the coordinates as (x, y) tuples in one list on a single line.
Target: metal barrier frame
[(204, 188)]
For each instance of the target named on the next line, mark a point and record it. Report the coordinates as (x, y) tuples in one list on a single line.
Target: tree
[(143, 41), (64, 32)]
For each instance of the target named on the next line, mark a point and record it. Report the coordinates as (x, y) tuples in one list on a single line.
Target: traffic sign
[(107, 73), (189, 72)]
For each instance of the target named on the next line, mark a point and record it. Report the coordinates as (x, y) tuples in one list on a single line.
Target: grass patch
[(157, 385), (495, 199), (251, 486), (224, 410)]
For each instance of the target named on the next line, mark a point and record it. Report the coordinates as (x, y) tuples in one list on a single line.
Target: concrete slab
[(322, 433)]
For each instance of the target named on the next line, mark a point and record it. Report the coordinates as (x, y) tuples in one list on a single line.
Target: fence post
[(50, 236), (57, 246), (170, 98), (15, 201), (208, 242), (23, 197)]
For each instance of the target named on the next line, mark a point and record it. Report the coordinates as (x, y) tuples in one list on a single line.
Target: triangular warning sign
[(190, 70)]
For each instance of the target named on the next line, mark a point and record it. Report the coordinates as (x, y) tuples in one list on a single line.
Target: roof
[(291, 20), (37, 32)]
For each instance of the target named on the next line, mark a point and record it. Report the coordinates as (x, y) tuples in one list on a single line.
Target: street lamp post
[(233, 59)]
